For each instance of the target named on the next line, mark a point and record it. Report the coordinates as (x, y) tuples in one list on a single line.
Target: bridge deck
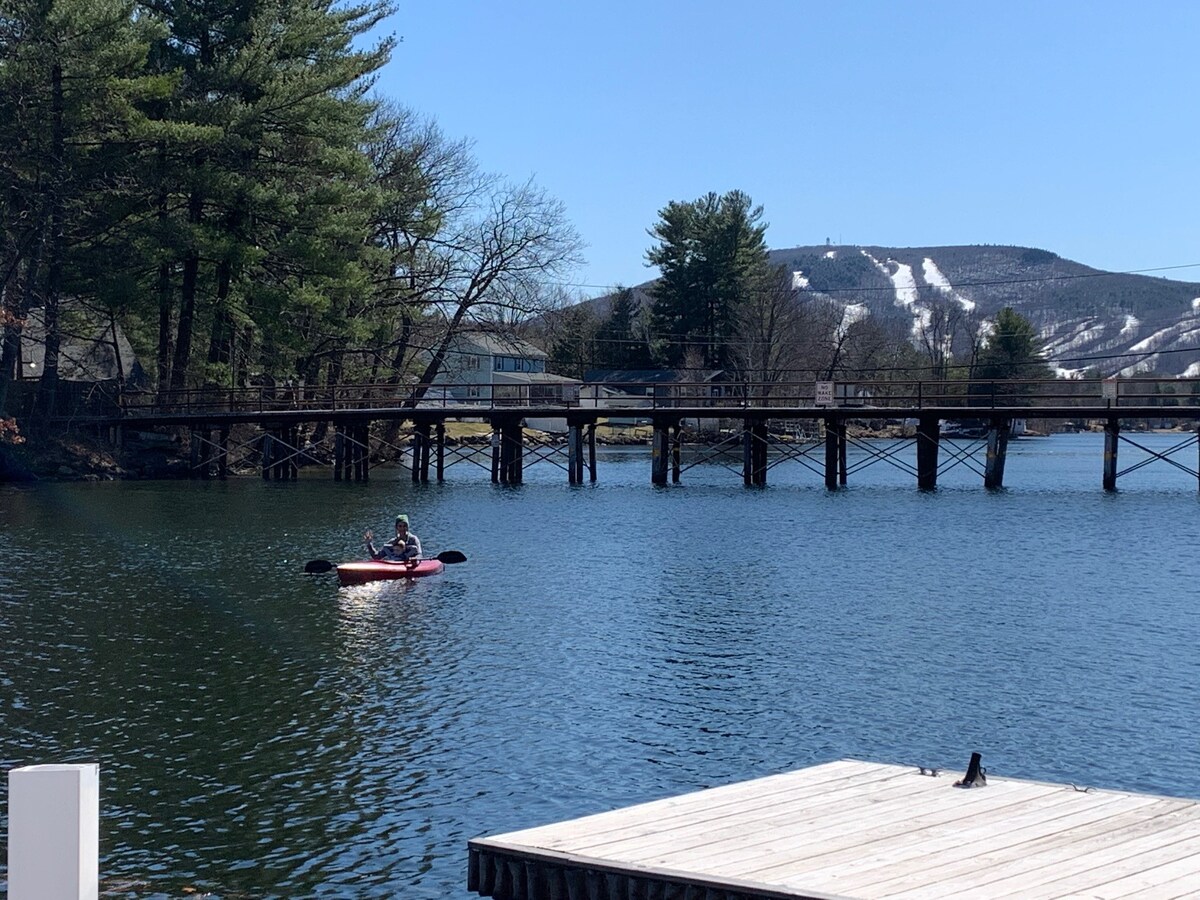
[(860, 830)]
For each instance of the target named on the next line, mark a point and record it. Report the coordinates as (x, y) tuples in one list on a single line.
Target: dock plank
[(1029, 847), (937, 853), (861, 831)]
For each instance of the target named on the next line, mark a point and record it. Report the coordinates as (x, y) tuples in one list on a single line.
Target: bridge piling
[(223, 453), (508, 452), (193, 452), (1112, 438), (441, 450), (592, 452), (747, 454), (660, 452), (835, 453), (421, 445), (997, 451), (928, 435), (266, 452), (573, 453), (676, 451)]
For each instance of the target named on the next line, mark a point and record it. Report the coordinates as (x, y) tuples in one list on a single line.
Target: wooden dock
[(859, 830)]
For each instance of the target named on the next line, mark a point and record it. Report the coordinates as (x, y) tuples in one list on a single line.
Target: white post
[(54, 832)]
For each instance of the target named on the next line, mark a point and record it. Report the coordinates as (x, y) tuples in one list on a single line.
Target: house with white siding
[(492, 368)]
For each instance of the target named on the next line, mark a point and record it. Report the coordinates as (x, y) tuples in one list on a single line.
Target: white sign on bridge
[(824, 393)]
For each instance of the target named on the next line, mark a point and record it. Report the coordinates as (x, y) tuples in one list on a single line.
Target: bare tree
[(492, 261), (938, 322), (777, 333)]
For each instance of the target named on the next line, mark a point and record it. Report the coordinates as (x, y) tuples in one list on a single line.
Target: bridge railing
[(727, 397), (1082, 393), (369, 396)]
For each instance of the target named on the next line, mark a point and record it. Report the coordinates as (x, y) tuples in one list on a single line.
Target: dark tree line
[(222, 181)]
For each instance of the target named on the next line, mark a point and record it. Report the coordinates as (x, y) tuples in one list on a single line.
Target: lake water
[(261, 733)]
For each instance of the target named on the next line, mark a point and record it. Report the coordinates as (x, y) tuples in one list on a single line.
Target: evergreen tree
[(1014, 352), (712, 254), (72, 78), (620, 342)]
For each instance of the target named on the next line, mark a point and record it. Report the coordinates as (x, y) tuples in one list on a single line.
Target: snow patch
[(1131, 325), (1156, 340), (830, 254), (902, 279), (1149, 364), (855, 312), (1192, 371), (799, 282), (933, 275), (1196, 304), (1084, 333)]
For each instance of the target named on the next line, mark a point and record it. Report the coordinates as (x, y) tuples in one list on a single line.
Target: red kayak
[(381, 570)]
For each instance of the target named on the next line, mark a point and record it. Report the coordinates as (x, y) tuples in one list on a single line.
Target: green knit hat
[(401, 518)]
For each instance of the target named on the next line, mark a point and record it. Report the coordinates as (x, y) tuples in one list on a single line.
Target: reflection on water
[(265, 733)]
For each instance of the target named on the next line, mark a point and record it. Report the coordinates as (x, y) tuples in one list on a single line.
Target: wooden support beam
[(573, 453), (747, 452), (339, 452), (223, 458), (762, 444), (208, 453), (267, 449), (293, 460), (416, 443), (360, 450), (660, 452), (193, 453), (508, 461), (441, 450), (518, 454), (997, 450), (928, 435), (676, 451), (832, 457), (842, 468), (1112, 438), (426, 452), (495, 452), (592, 451)]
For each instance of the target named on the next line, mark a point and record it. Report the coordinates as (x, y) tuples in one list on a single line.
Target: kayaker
[(404, 547)]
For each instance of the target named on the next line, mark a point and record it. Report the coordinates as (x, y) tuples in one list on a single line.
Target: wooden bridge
[(298, 426)]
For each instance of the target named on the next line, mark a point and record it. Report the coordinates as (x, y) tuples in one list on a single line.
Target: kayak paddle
[(317, 566)]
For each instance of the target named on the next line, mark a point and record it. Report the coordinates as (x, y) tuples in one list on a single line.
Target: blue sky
[(1068, 126)]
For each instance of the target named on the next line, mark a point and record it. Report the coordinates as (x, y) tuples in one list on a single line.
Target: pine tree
[(1014, 352), (712, 254), (620, 343)]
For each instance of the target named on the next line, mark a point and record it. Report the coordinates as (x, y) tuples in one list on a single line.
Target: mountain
[(1089, 319)]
